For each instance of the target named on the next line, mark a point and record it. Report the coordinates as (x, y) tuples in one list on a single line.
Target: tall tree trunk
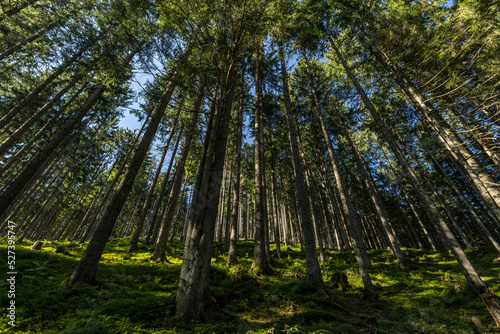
[(314, 212), (86, 270), (313, 271), (429, 207), (276, 211), (232, 257), (207, 148), (335, 218), (487, 188), (193, 295), (183, 197), (341, 221), (93, 218), (152, 232), (184, 228), (284, 216), (374, 196), (488, 236), (168, 214), (220, 214), (247, 211), (229, 208), (149, 197), (260, 261)]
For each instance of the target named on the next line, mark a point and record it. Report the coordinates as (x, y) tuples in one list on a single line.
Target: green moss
[(135, 296)]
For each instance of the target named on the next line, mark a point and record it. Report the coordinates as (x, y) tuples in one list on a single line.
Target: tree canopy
[(347, 125)]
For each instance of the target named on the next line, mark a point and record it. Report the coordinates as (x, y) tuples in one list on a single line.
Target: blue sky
[(129, 121)]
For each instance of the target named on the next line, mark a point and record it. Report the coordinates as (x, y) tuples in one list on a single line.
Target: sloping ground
[(138, 297)]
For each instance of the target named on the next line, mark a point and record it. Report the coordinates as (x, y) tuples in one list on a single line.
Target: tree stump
[(339, 279), (37, 245)]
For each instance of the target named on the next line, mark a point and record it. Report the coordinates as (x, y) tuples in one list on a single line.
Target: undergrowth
[(135, 296)]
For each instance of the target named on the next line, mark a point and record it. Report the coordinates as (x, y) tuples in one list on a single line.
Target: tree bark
[(152, 232), (313, 271), (375, 197), (232, 257), (193, 300), (93, 218), (487, 234), (85, 272), (168, 214), (149, 197), (260, 262), (277, 216)]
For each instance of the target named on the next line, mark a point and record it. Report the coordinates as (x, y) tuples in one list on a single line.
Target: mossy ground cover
[(135, 296)]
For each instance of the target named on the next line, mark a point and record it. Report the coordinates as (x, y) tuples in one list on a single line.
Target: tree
[(168, 214), (313, 271), (232, 258), (86, 270), (260, 262)]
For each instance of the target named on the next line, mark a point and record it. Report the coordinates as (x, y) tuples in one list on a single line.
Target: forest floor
[(135, 296)]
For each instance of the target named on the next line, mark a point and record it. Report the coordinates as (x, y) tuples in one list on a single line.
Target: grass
[(138, 297)]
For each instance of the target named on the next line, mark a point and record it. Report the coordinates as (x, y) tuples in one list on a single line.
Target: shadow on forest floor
[(135, 296)]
